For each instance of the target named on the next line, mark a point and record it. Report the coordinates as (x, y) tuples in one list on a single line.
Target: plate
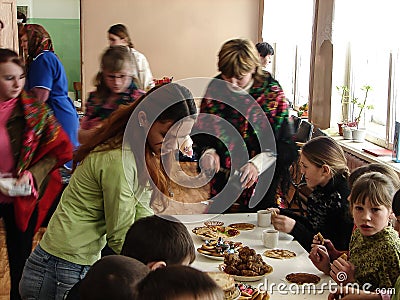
[(215, 232), (242, 226), (248, 278), (245, 278), (285, 236), (221, 258)]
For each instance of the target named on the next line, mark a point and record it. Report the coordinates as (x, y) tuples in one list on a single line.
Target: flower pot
[(340, 125), (359, 135), (347, 133)]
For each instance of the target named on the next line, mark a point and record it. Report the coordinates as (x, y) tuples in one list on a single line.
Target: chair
[(78, 94), (304, 133)]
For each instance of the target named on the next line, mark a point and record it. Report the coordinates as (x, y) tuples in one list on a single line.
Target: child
[(324, 167), (114, 87), (352, 294), (178, 283), (156, 242), (112, 277), (375, 246), (159, 241), (32, 147), (109, 190)]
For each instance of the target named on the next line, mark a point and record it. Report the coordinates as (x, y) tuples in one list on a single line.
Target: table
[(275, 282)]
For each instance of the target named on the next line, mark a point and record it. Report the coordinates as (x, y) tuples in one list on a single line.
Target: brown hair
[(113, 60), (7, 55), (110, 136), (375, 167), (375, 187), (324, 150), (178, 281), (238, 57), (159, 238), (121, 31)]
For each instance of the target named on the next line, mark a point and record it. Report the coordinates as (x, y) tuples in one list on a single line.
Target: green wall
[(65, 34)]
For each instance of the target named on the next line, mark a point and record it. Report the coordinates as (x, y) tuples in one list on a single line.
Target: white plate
[(221, 258), (285, 236), (248, 278)]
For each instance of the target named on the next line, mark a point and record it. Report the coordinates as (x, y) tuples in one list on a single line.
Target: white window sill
[(356, 149)]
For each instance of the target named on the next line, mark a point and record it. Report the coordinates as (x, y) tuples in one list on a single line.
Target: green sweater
[(376, 258), (101, 202)]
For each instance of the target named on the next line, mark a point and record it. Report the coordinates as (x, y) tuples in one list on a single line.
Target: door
[(8, 24)]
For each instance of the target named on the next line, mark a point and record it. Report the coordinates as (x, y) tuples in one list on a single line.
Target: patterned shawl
[(38, 41), (43, 136)]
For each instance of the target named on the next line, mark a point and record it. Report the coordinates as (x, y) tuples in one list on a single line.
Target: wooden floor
[(185, 201)]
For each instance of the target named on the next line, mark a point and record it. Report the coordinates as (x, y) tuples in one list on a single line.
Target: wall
[(61, 19), (180, 38)]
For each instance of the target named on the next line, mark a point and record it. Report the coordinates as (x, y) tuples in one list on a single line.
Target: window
[(288, 28)]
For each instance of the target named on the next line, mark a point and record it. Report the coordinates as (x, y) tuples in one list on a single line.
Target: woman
[(114, 87), (47, 80), (118, 35), (325, 170), (242, 85), (32, 146), (109, 189)]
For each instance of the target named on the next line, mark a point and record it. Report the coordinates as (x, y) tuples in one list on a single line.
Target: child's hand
[(332, 251), (342, 271), (320, 258), (283, 223)]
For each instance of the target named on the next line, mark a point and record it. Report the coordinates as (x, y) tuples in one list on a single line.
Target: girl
[(353, 294), (324, 167), (114, 87), (109, 189), (375, 246), (47, 80), (118, 35), (32, 146)]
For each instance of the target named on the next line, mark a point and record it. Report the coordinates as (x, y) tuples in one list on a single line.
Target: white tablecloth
[(275, 282)]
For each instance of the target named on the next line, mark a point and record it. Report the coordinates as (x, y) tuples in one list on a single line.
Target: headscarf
[(39, 40)]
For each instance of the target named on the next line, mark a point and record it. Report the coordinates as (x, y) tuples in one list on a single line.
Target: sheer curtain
[(287, 26), (365, 47)]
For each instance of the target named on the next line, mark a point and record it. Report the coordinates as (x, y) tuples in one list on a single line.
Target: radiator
[(354, 162)]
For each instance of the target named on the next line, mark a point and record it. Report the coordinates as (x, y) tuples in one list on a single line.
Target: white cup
[(263, 218), (270, 238)]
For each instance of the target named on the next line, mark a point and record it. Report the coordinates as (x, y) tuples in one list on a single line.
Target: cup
[(263, 218), (270, 238)]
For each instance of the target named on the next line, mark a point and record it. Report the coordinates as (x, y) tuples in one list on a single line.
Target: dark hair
[(157, 238), (375, 167), (7, 55), (121, 31), (112, 277), (174, 101), (396, 204), (178, 281), (265, 49)]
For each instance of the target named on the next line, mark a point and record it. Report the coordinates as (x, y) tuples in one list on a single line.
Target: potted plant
[(360, 132), (344, 125)]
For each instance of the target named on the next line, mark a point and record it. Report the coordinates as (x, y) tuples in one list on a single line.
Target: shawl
[(38, 41), (42, 137)]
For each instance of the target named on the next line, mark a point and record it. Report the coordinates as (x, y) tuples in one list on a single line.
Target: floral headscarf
[(38, 40)]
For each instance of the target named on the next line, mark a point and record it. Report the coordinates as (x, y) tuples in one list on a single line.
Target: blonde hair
[(239, 57), (375, 187), (375, 167), (324, 150)]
